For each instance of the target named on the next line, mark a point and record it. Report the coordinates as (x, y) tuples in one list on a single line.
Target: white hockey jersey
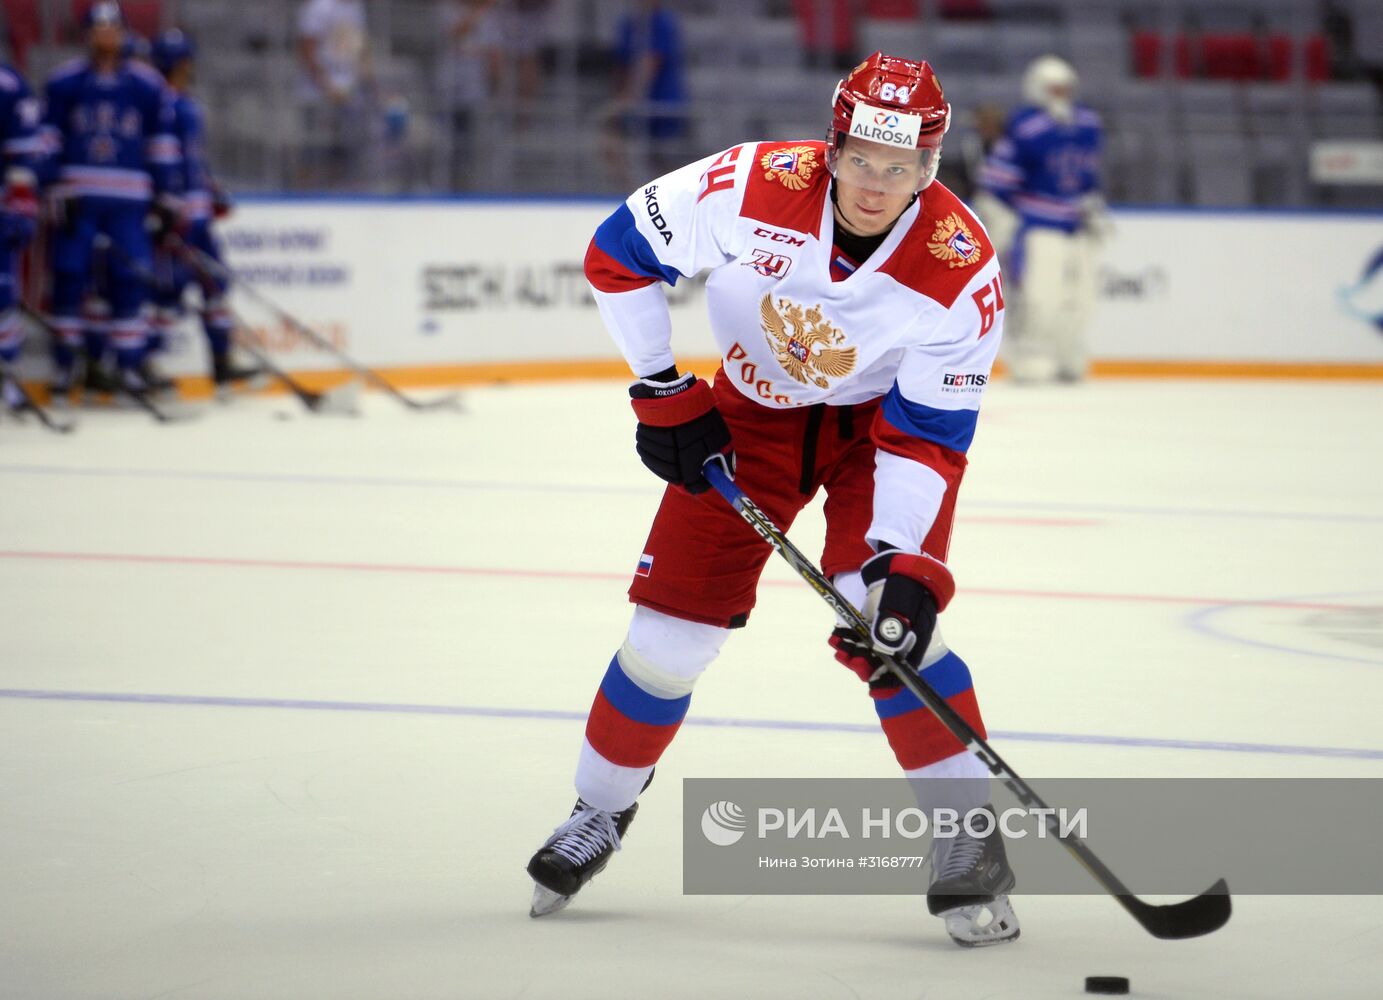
[(918, 323)]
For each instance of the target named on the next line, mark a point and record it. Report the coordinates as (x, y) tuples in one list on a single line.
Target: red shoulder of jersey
[(944, 249), (787, 183)]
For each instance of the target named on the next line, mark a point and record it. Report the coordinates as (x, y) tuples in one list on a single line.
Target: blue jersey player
[(20, 151), (1046, 169), (201, 201), (108, 124)]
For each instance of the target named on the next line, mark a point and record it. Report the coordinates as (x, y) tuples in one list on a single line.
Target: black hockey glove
[(906, 593), (679, 429)]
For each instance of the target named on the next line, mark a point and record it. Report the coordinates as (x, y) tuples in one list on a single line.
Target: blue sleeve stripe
[(948, 676), (953, 429), (633, 702), (621, 239)]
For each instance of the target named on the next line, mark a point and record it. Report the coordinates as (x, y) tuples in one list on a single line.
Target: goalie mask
[(1050, 83), (897, 103)]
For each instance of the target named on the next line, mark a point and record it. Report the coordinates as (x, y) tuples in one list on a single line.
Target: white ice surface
[(1108, 539)]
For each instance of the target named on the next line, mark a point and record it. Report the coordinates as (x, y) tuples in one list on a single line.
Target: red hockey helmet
[(895, 102)]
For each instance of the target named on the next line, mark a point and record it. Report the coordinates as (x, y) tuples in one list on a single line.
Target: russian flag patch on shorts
[(645, 565)]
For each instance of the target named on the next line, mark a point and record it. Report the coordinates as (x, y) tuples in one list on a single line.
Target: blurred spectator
[(23, 29), (828, 33), (333, 49), (1341, 37), (1338, 29), (143, 17), (468, 75), (523, 34), (651, 91)]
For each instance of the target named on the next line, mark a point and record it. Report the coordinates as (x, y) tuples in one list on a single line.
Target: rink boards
[(462, 289)]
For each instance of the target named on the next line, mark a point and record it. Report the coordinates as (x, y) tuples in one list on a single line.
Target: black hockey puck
[(1109, 985)]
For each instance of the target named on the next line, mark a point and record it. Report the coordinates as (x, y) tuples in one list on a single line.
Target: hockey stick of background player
[(342, 399), (45, 418), (1190, 918), (141, 398), (212, 265)]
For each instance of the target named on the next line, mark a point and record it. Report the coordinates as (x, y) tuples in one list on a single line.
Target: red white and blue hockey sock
[(641, 702), (129, 336), (914, 733)]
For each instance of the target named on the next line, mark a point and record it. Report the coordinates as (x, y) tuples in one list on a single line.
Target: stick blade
[(341, 401), (452, 402), (176, 411), (1190, 918), (45, 419)]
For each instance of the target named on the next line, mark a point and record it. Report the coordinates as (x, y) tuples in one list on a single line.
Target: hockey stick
[(142, 399), (341, 400), (8, 374), (451, 401), (1190, 918)]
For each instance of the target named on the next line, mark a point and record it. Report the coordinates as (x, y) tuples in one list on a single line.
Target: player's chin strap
[(1190, 918)]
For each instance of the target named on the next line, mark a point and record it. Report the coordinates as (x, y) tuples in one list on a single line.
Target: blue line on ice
[(1204, 621), (311, 705)]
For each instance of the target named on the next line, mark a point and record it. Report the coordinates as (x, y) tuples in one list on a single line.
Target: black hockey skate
[(577, 851), (97, 379), (226, 373), (971, 880)]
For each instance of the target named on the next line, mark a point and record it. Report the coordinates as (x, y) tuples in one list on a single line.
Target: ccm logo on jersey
[(892, 128), (963, 381), (655, 214), (778, 237)]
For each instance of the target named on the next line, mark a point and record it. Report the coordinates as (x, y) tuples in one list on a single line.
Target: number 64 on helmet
[(894, 102)]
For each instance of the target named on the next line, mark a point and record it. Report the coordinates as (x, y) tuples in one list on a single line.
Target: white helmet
[(1050, 83)]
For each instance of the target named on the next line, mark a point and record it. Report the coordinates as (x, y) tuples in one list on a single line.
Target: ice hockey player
[(1046, 169), (858, 309), (201, 200), (109, 129), (20, 152)]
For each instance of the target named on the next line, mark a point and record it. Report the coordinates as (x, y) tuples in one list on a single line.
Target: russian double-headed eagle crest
[(953, 242), (806, 344), (792, 167)]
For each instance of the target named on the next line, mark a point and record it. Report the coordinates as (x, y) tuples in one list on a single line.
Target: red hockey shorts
[(702, 561)]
